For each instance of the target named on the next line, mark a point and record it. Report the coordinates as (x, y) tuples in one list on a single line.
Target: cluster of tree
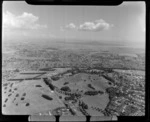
[(91, 93), (47, 97), (72, 112), (66, 88), (109, 70), (106, 112), (111, 90), (84, 112), (69, 98), (77, 95), (100, 92), (98, 109), (83, 105), (55, 78), (49, 83), (109, 78), (66, 83), (130, 110), (57, 111), (16, 70), (114, 92), (47, 69)]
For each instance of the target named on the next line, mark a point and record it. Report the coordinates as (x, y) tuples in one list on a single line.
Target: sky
[(124, 23)]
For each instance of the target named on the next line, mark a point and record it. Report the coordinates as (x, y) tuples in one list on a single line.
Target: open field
[(26, 98)]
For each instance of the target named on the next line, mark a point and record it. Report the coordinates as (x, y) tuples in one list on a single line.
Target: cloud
[(97, 25), (24, 21), (70, 26)]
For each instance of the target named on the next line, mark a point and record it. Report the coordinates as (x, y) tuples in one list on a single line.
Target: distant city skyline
[(125, 22)]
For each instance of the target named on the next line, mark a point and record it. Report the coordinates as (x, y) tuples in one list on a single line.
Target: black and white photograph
[(73, 61)]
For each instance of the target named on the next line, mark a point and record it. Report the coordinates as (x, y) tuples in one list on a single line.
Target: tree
[(16, 70), (90, 86)]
